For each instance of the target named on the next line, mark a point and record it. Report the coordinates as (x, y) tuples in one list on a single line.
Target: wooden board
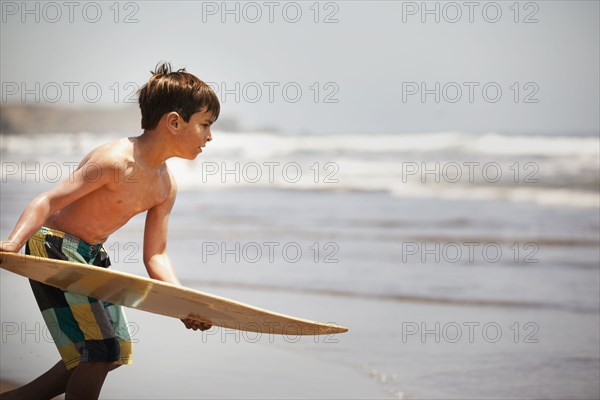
[(159, 297)]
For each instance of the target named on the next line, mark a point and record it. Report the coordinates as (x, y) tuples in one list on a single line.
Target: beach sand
[(371, 361)]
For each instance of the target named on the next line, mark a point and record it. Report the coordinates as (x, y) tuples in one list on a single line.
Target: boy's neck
[(152, 149)]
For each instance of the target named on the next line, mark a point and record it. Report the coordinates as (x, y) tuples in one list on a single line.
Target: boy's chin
[(189, 156)]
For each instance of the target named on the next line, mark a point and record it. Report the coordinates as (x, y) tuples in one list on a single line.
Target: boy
[(71, 221)]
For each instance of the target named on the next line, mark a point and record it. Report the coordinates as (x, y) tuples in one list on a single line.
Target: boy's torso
[(131, 189)]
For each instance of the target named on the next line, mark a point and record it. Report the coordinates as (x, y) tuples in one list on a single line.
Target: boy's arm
[(46, 204), (157, 262)]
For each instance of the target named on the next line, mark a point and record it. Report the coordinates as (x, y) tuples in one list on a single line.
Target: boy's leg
[(48, 385), (87, 380), (83, 382), (100, 329)]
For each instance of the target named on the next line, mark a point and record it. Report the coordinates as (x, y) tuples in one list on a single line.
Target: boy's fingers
[(8, 246), (204, 326), (195, 325)]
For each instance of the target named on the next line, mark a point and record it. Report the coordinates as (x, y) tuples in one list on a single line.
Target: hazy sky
[(367, 69)]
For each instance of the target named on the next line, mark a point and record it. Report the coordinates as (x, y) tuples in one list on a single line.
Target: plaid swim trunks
[(83, 328)]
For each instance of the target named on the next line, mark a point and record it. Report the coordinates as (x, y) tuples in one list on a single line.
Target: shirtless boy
[(71, 221)]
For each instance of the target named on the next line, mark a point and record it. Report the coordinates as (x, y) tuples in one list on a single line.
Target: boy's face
[(194, 134)]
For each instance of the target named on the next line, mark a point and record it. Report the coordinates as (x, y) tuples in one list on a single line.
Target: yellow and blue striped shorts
[(83, 328)]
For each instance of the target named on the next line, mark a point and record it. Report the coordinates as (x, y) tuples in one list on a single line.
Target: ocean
[(560, 170), (466, 265)]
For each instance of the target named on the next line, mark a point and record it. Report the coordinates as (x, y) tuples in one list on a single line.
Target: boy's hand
[(195, 324), (8, 246)]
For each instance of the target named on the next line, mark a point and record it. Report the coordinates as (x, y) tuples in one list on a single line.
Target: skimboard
[(159, 297)]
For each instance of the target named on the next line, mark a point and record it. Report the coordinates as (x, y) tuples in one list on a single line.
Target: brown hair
[(177, 91)]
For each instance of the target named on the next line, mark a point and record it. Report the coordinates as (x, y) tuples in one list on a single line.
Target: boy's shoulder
[(113, 159), (114, 155), (119, 150), (116, 164)]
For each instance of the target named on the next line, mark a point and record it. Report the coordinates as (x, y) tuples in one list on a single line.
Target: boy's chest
[(138, 192)]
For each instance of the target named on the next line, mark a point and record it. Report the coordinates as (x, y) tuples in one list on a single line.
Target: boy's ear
[(173, 121)]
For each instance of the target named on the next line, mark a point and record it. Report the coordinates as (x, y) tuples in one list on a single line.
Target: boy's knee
[(97, 366)]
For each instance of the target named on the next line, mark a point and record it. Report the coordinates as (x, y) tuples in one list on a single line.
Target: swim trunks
[(83, 328)]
